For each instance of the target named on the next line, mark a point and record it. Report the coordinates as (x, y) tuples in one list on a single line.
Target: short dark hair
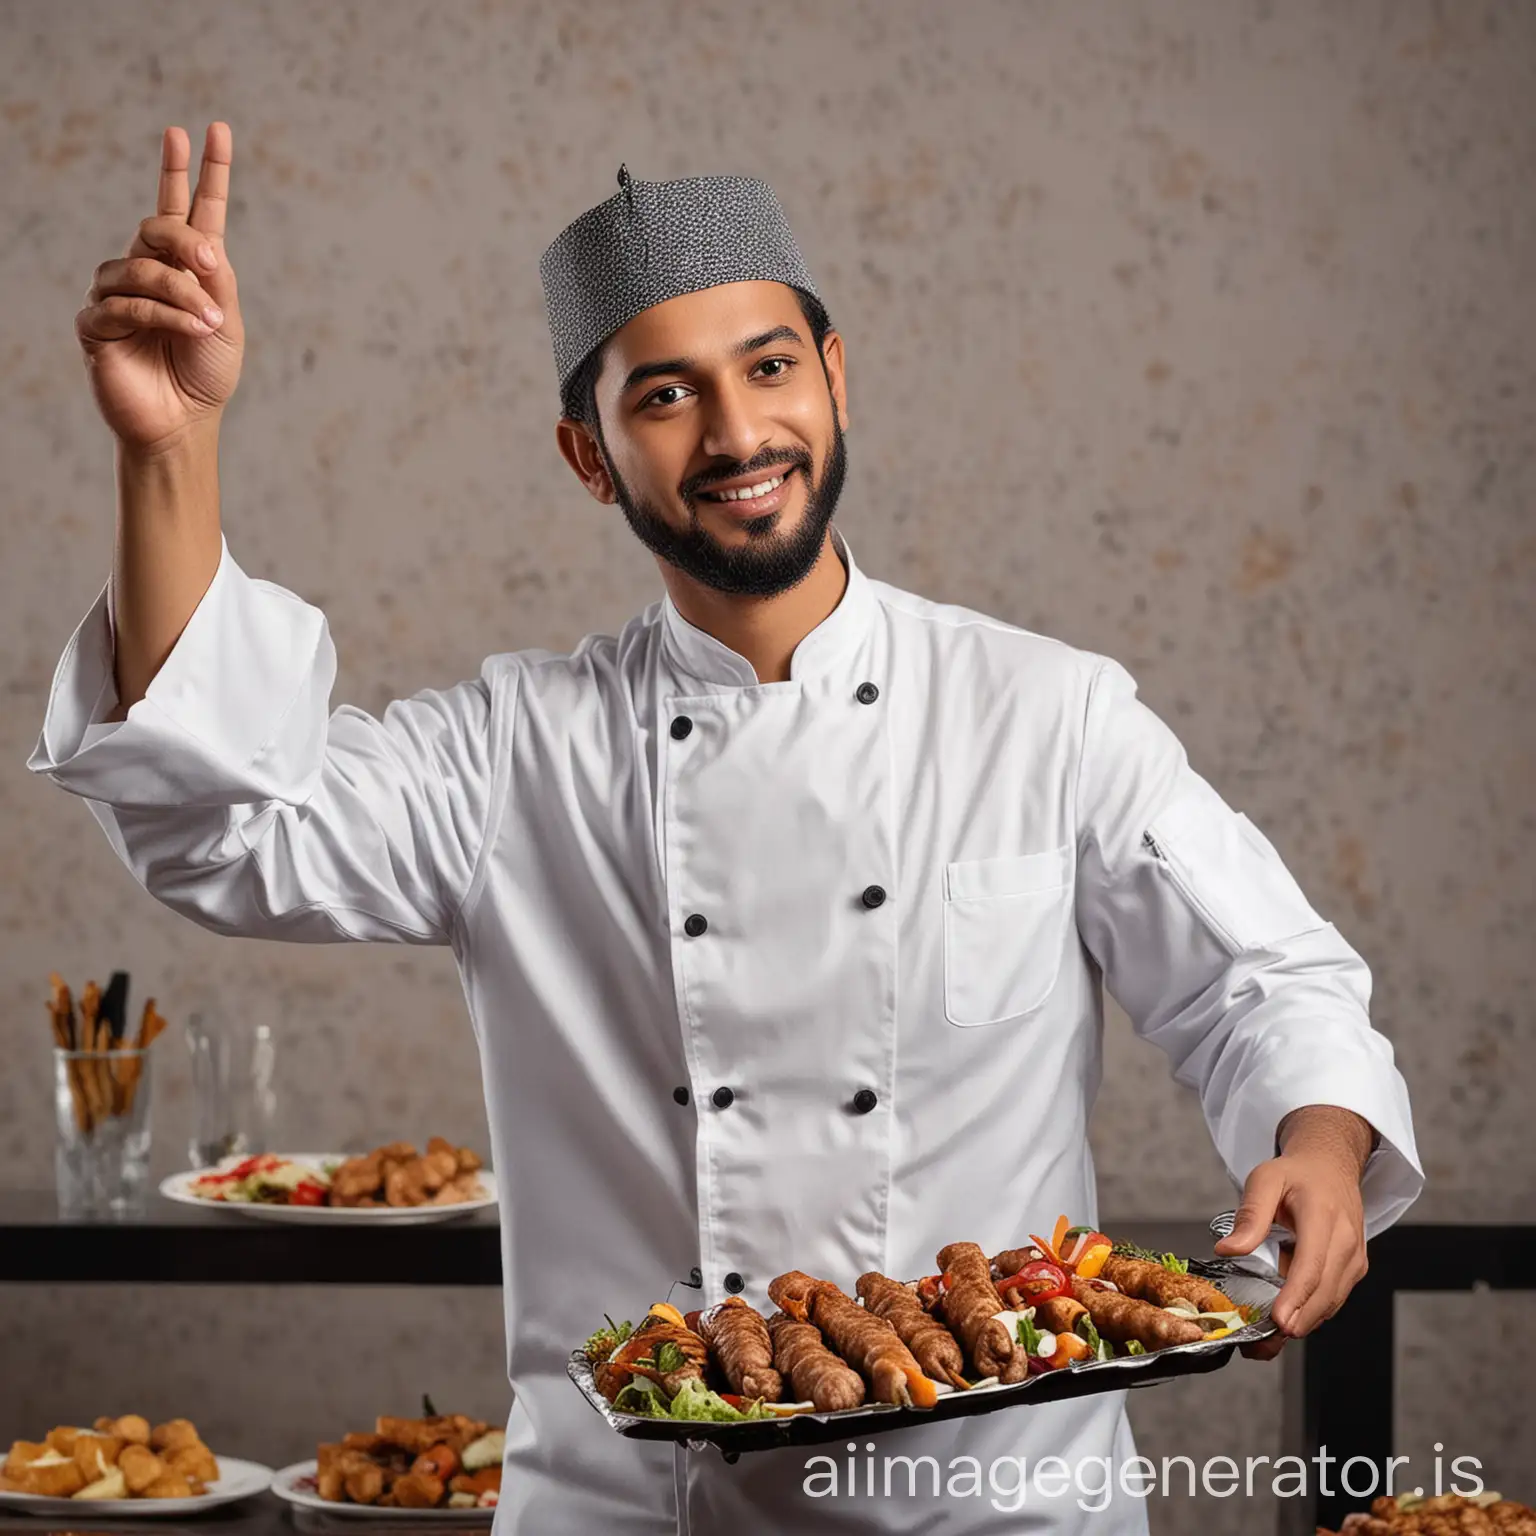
[(578, 399)]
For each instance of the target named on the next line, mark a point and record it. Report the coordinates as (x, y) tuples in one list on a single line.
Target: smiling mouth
[(768, 491)]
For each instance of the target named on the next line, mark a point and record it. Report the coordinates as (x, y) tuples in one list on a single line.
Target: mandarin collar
[(700, 655)]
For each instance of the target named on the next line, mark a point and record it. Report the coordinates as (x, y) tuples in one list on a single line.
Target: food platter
[(178, 1187), (1249, 1284), (237, 1480), (296, 1485)]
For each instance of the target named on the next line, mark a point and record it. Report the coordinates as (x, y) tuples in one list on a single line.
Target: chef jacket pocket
[(1229, 871), (1005, 925)]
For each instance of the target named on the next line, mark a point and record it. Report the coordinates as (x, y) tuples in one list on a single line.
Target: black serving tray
[(1246, 1282)]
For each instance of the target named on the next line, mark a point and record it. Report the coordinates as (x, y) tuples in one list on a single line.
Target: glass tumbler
[(102, 1114), (234, 1096)]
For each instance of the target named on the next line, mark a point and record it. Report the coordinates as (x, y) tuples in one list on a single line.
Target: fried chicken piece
[(61, 1438), (131, 1428), (406, 1184), (357, 1177), (417, 1435), (366, 1484), (96, 1455), (60, 1480), (174, 1433), (171, 1484), (440, 1166), (366, 1441), (418, 1490), (140, 1467), (331, 1485), (23, 1452), (195, 1462)]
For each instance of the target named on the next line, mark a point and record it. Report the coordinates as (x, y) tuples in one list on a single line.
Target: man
[(781, 916)]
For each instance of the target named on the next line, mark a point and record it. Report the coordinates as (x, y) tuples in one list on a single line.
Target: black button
[(734, 1282), (695, 925), (867, 693), (865, 1100), (695, 1276), (680, 1095), (681, 726), (722, 1098), (874, 896)]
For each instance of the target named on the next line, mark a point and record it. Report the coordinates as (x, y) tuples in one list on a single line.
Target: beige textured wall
[(1197, 333)]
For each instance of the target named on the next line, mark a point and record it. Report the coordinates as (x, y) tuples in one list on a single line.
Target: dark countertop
[(264, 1515)]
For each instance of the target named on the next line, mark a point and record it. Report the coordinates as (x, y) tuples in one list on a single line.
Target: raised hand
[(161, 328)]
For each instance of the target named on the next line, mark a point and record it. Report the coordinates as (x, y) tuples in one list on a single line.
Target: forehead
[(704, 326)]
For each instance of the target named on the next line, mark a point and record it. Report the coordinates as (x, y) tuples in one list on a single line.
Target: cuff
[(1362, 1080), (235, 715)]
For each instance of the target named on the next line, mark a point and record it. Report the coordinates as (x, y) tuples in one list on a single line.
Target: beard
[(770, 561)]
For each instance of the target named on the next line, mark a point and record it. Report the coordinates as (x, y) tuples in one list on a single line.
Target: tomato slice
[(1038, 1281), (307, 1193)]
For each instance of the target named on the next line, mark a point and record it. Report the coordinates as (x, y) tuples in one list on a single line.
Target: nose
[(732, 428)]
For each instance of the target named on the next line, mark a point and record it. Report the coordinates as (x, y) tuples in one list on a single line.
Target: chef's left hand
[(1313, 1188)]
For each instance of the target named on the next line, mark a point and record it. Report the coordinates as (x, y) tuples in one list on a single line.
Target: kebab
[(933, 1346), (739, 1340), (868, 1343), (969, 1303), (815, 1374)]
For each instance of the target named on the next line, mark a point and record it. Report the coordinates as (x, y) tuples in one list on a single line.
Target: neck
[(762, 630)]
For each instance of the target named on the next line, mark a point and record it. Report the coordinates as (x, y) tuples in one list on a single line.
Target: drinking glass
[(101, 1111), (233, 1095)]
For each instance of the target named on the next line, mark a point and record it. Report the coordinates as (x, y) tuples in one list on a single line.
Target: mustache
[(768, 459)]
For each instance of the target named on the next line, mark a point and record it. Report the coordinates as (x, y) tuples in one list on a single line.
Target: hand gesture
[(161, 328)]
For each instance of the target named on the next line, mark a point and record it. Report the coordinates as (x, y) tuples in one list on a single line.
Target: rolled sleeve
[(237, 797)]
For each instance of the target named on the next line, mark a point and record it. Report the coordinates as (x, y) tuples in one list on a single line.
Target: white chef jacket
[(896, 878)]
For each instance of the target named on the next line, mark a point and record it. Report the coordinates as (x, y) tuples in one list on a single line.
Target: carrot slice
[(920, 1389), (1048, 1249), (1059, 1236)]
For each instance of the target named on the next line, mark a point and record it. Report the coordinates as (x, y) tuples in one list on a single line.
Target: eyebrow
[(643, 371)]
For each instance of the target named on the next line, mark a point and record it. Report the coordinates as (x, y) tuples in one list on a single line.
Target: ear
[(835, 364), (578, 447)]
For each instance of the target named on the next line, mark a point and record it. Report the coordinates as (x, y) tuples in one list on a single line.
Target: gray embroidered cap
[(654, 240)]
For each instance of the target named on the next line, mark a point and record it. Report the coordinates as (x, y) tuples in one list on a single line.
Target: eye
[(657, 397), (783, 366)]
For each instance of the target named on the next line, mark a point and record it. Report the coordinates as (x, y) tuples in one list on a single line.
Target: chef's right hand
[(161, 328)]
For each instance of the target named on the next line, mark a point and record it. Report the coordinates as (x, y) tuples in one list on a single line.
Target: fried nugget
[(96, 1455), (169, 1485), (24, 1452), (58, 1480), (131, 1428), (140, 1467), (195, 1462), (173, 1433)]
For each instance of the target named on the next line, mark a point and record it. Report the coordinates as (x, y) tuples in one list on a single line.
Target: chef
[(782, 915)]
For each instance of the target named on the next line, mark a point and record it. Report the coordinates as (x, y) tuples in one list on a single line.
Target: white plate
[(178, 1187), (238, 1480), (287, 1484)]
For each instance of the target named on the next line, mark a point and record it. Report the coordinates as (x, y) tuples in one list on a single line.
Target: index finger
[(175, 156), (212, 199)]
